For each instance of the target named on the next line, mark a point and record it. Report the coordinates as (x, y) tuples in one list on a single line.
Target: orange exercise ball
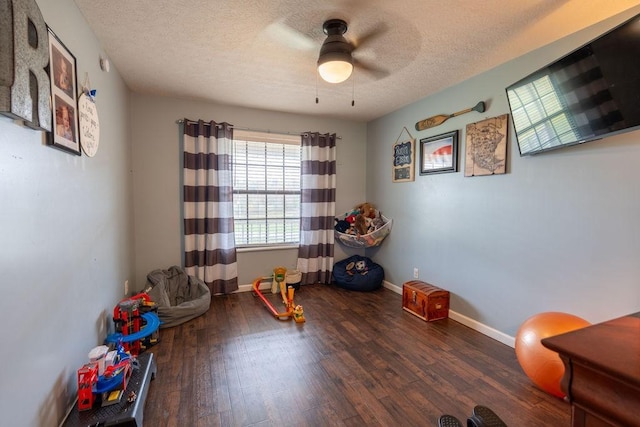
[(543, 366)]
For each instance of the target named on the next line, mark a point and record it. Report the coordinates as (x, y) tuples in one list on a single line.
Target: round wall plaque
[(89, 125)]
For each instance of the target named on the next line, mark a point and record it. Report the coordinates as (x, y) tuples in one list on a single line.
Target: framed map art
[(486, 150)]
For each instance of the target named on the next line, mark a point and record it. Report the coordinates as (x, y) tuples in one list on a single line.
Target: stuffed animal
[(342, 225), (377, 222), (362, 220), (370, 227), (367, 209), (361, 224)]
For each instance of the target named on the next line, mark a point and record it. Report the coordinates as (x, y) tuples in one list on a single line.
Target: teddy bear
[(361, 224), (364, 219), (367, 209)]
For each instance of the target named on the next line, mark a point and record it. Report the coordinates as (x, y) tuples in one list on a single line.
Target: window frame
[(242, 136)]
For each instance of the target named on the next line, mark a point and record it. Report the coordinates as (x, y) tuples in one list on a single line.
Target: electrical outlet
[(126, 287), (415, 273)]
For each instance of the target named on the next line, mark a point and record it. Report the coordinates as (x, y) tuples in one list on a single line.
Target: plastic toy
[(116, 376), (136, 331), (87, 378), (279, 276), (151, 325), (541, 365), (292, 311)]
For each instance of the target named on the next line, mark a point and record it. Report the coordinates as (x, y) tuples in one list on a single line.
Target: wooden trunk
[(424, 300)]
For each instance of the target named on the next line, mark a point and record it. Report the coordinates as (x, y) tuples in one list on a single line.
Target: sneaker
[(449, 421), (484, 417)]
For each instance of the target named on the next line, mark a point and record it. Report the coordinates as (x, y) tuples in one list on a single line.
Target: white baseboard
[(392, 287), (460, 318), (483, 329), (264, 284), (467, 321)]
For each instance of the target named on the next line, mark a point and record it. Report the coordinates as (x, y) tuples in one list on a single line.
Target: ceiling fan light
[(335, 67)]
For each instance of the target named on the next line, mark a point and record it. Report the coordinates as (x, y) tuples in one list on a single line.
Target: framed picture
[(403, 160), (439, 154), (62, 72), (486, 149)]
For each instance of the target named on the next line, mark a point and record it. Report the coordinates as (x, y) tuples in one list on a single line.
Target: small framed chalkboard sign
[(404, 155)]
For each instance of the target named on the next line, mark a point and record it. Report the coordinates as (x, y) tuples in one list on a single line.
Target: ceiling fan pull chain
[(316, 87), (353, 90)]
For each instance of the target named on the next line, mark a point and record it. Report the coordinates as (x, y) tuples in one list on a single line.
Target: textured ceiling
[(263, 53)]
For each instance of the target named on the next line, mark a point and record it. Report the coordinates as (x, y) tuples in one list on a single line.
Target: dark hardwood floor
[(359, 360)]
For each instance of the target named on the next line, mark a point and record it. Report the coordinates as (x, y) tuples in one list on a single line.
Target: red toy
[(128, 320), (87, 378)]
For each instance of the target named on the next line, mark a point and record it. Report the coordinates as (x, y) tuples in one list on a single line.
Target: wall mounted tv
[(590, 93)]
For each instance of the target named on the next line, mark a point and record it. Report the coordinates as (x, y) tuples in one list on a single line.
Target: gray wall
[(66, 234), (558, 232), (157, 172)]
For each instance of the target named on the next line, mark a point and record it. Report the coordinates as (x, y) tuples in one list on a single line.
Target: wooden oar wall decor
[(441, 118)]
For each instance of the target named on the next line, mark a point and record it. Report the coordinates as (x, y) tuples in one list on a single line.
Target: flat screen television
[(588, 94)]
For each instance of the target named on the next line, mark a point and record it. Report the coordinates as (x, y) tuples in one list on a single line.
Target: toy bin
[(293, 279), (369, 240)]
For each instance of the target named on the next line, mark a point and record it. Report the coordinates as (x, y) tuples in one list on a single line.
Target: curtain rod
[(180, 121)]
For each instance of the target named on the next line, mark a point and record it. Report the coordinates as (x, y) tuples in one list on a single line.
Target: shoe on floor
[(484, 417), (449, 421)]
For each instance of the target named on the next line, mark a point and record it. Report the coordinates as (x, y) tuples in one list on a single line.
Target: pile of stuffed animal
[(363, 219)]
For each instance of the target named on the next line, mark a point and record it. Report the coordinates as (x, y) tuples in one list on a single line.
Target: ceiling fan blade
[(284, 34), (370, 36), (377, 72)]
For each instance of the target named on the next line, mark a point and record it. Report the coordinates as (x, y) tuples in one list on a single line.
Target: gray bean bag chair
[(179, 297)]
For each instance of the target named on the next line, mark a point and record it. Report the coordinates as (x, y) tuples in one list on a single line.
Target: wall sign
[(89, 125), (404, 154), (24, 55)]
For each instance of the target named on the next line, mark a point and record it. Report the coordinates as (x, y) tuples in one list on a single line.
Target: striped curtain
[(209, 241), (318, 187)]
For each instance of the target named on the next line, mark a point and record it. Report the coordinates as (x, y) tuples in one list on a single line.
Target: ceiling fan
[(338, 55), (336, 61)]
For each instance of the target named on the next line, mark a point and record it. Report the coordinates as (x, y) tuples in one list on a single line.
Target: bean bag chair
[(179, 297), (358, 273)]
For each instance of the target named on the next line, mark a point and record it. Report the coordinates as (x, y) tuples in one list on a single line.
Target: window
[(266, 188)]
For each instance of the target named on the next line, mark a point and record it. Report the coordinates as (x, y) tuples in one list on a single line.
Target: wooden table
[(602, 372)]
